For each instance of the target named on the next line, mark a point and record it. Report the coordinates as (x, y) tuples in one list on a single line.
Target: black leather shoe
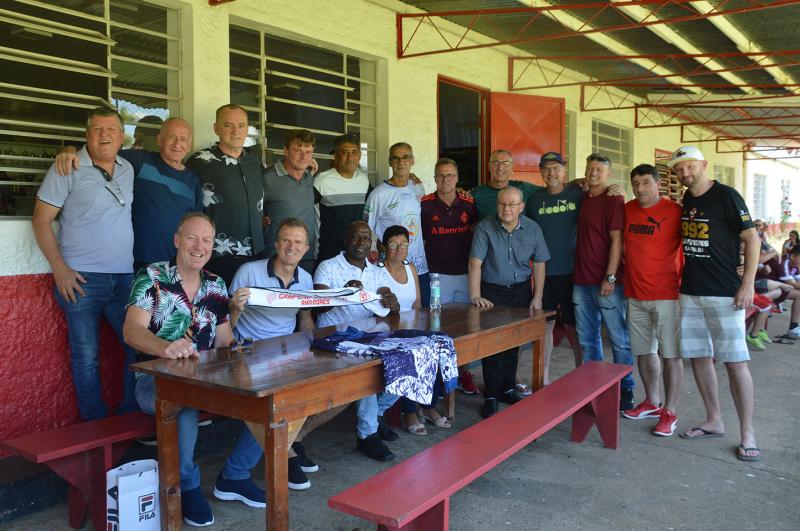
[(489, 407), (510, 397), (373, 448), (385, 432)]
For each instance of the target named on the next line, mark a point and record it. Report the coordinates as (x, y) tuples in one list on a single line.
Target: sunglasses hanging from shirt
[(112, 186)]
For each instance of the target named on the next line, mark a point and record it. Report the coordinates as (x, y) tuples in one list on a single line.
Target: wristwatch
[(611, 278)]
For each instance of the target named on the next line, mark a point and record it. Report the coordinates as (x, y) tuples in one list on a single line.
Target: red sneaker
[(645, 410), (466, 384), (666, 423)]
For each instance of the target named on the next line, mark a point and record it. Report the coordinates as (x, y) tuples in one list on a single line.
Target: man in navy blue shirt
[(164, 190)]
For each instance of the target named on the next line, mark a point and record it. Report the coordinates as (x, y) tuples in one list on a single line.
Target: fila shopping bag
[(132, 497)]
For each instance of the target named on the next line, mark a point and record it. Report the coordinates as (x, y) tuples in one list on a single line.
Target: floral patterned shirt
[(157, 289)]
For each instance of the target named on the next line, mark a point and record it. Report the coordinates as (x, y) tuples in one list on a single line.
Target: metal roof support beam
[(649, 19), (519, 65)]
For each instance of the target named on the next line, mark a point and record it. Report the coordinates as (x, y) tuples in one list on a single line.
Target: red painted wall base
[(36, 391)]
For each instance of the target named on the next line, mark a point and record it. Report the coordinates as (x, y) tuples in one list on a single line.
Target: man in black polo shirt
[(233, 193), (448, 219), (499, 272)]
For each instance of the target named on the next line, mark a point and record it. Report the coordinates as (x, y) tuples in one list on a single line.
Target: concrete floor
[(648, 483)]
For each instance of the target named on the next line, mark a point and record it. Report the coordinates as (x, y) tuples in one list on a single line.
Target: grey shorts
[(712, 327)]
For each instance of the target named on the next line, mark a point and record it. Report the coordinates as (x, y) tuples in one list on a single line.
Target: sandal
[(440, 422), (417, 428)]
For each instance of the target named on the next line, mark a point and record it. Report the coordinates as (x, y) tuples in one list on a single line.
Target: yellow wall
[(367, 28)]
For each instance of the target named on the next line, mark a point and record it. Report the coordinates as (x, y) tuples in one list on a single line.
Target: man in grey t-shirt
[(92, 261), (289, 192)]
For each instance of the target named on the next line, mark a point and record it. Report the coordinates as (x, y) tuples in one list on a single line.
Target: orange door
[(528, 127)]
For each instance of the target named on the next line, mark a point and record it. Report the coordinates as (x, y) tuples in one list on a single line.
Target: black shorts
[(558, 296)]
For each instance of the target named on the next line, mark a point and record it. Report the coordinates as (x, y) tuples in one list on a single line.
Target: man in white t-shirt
[(397, 202), (351, 268)]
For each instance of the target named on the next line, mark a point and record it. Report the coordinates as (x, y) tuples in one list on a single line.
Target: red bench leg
[(602, 411), (437, 518)]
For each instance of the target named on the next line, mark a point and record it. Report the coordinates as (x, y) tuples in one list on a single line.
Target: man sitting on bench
[(175, 309)]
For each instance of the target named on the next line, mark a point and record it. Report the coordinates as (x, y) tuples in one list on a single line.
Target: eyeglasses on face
[(507, 205), (396, 246), (395, 159)]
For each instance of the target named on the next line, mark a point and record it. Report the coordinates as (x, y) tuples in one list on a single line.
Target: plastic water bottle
[(436, 294)]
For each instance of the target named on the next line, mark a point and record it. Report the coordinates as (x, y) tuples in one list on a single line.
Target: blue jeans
[(245, 455), (106, 294), (368, 409), (590, 309)]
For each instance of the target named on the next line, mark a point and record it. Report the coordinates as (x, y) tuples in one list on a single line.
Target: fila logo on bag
[(363, 296), (147, 506)]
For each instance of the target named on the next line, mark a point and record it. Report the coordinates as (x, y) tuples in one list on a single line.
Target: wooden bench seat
[(415, 494), (82, 454)]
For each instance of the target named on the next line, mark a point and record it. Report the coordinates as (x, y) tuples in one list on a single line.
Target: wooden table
[(283, 380)]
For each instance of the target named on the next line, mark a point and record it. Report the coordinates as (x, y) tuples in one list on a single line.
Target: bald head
[(174, 141)]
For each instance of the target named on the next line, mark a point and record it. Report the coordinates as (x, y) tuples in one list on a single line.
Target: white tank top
[(406, 293)]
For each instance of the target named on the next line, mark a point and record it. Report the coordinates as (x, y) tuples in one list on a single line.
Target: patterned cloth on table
[(411, 358)]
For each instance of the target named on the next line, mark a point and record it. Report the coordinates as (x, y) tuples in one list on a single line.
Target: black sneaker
[(626, 399), (510, 397), (489, 407), (297, 478), (373, 448), (384, 431), (148, 441), (306, 465)]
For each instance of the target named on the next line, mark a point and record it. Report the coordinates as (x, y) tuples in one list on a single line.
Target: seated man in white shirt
[(351, 268)]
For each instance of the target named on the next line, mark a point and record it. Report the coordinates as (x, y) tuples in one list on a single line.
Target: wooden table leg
[(276, 475), (537, 378), (168, 465)]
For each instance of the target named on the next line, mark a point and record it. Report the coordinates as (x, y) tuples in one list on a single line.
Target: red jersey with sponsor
[(653, 255), (597, 217), (447, 231)]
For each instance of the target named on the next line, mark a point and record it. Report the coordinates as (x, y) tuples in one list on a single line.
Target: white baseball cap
[(685, 153)]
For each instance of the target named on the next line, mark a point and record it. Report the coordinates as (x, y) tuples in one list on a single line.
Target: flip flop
[(440, 422), (742, 457), (706, 434)]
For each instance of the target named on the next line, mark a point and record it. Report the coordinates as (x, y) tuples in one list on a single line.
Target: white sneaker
[(794, 332)]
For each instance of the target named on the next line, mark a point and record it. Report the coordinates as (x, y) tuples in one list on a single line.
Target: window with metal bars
[(60, 58), (725, 174), (615, 143), (286, 85)]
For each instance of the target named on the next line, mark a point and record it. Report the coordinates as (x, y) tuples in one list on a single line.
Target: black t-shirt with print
[(710, 226)]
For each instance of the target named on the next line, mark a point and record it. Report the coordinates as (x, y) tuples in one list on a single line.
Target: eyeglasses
[(446, 176), (507, 205), (396, 246), (243, 345), (501, 162), (405, 158), (112, 186)]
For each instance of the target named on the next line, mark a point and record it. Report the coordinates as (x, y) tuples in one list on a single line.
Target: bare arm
[(418, 301), (474, 279), (67, 280), (224, 335), (305, 321), (138, 335), (237, 304), (614, 256), (67, 160), (538, 285), (752, 248)]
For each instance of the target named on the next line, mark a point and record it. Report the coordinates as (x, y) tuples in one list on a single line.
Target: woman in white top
[(404, 283)]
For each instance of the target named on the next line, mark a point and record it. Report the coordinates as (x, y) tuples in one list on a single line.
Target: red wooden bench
[(415, 494), (82, 454)]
